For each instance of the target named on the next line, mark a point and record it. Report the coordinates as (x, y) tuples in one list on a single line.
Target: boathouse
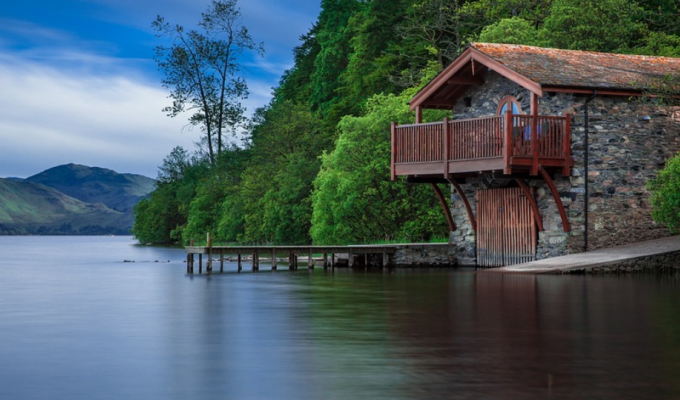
[(547, 151)]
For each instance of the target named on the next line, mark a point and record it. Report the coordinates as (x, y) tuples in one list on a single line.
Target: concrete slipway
[(667, 249)]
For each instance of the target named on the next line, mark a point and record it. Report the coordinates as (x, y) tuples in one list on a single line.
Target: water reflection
[(98, 328)]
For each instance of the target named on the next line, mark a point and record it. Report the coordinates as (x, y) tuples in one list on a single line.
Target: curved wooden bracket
[(560, 207), (532, 202), (471, 216), (445, 206)]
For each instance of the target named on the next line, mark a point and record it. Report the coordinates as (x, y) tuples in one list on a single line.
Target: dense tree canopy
[(314, 165)]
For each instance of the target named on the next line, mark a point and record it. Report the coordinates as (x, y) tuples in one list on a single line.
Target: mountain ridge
[(71, 199)]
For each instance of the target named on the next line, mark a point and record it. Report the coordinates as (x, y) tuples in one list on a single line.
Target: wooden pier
[(356, 255)]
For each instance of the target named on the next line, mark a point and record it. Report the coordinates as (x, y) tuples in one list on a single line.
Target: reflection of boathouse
[(514, 149)]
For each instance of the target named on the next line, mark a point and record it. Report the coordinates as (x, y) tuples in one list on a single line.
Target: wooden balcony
[(507, 143)]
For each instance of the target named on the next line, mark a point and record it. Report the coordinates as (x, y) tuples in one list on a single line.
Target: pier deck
[(595, 259), (355, 254)]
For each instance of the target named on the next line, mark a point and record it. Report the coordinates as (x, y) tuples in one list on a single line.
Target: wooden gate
[(506, 231)]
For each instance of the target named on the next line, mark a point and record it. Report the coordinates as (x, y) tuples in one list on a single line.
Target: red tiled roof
[(585, 69)]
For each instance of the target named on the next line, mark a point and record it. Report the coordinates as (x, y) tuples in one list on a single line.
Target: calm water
[(77, 322)]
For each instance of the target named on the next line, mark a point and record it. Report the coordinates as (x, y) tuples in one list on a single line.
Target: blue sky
[(78, 83)]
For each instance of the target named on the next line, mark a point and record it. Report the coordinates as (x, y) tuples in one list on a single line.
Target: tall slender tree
[(204, 70)]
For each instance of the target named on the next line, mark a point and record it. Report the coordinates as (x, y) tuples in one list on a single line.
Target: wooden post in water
[(240, 265), (189, 263), (350, 259), (386, 260), (208, 266), (221, 260), (291, 261), (325, 260), (273, 260), (256, 261), (295, 261), (310, 260), (200, 263)]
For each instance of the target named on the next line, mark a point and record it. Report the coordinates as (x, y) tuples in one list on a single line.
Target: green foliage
[(512, 31), (596, 25), (665, 189), (354, 200)]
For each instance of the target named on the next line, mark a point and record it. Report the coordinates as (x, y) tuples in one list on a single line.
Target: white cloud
[(50, 117)]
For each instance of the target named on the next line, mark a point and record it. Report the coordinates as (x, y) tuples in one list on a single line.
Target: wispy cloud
[(50, 116)]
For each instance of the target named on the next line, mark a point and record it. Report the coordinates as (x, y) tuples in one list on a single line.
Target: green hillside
[(32, 208), (116, 191)]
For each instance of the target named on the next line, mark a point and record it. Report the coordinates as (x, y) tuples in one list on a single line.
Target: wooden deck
[(292, 253), (508, 143)]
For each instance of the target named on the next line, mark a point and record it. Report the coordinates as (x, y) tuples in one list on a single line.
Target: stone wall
[(629, 143), (427, 255), (658, 263)]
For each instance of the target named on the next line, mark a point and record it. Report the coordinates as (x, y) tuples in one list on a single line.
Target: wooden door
[(506, 231)]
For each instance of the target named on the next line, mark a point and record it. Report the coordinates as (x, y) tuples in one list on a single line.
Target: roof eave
[(472, 54)]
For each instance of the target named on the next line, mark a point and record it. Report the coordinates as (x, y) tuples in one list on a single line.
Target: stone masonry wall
[(626, 150)]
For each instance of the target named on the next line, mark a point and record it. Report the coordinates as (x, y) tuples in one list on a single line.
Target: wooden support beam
[(332, 260), (310, 260), (221, 260), (325, 260), (566, 170), (532, 202), (240, 264), (560, 207), (445, 207), (393, 156), (534, 133), (273, 260), (256, 260), (507, 141), (291, 261), (200, 263), (385, 260), (468, 208), (446, 132), (419, 115)]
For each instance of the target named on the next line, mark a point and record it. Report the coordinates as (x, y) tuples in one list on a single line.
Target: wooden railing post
[(534, 134), (566, 138), (445, 150), (507, 142), (393, 173)]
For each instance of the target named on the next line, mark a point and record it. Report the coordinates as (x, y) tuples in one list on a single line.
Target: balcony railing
[(504, 140)]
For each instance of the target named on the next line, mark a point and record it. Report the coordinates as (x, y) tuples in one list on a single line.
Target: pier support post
[(350, 260), (208, 265), (221, 260), (256, 261), (332, 260), (240, 264), (385, 260), (189, 262), (310, 260), (200, 263), (325, 260), (273, 260)]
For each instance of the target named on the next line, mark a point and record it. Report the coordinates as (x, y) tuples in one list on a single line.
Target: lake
[(103, 318)]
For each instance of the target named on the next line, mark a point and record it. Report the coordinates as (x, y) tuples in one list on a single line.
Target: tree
[(354, 200), (204, 71), (595, 25), (665, 197), (513, 30)]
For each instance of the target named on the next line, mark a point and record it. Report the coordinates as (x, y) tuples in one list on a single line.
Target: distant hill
[(71, 199), (119, 192)]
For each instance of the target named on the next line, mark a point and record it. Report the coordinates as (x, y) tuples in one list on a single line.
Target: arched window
[(509, 101)]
